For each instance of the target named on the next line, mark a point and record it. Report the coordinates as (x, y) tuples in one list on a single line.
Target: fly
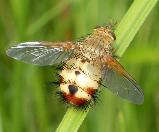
[(87, 65)]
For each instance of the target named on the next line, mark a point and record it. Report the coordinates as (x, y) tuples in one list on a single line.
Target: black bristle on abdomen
[(54, 84), (95, 99), (58, 67), (96, 96), (60, 96)]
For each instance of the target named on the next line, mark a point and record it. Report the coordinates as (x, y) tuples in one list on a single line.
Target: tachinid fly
[(87, 65)]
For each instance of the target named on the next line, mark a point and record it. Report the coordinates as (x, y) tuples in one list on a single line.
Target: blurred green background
[(28, 103)]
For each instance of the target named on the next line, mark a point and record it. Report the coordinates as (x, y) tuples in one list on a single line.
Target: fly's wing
[(116, 79), (41, 53)]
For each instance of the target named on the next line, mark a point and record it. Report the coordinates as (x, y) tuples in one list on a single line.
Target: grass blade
[(71, 122), (131, 23)]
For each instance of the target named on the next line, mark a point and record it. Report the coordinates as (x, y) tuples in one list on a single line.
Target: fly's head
[(106, 34)]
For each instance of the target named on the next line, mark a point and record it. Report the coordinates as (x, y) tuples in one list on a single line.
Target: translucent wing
[(41, 53), (116, 79)]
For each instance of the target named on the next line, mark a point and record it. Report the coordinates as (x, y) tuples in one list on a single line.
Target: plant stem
[(71, 122), (131, 23)]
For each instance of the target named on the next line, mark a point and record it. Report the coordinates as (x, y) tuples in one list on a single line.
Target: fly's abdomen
[(79, 82)]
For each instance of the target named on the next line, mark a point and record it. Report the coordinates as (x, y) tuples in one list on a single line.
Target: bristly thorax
[(96, 45)]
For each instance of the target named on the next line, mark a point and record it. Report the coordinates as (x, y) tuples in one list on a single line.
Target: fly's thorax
[(80, 81), (105, 33), (96, 45)]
